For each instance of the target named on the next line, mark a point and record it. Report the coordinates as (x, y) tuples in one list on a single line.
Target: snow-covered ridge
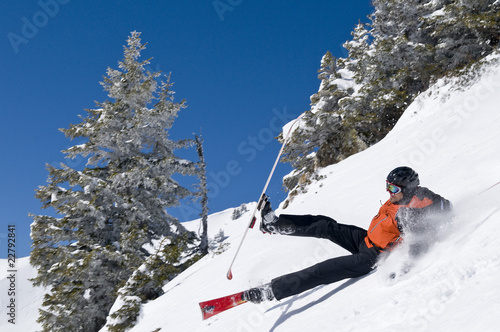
[(450, 136)]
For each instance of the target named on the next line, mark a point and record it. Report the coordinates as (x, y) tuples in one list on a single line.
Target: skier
[(411, 209)]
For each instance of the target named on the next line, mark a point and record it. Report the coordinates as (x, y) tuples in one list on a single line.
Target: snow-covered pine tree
[(315, 124), (324, 137), (108, 211), (416, 42), (358, 53), (358, 114), (402, 60), (408, 44), (464, 31), (171, 256)]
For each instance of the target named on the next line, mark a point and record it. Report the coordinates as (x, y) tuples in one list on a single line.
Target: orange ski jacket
[(386, 227)]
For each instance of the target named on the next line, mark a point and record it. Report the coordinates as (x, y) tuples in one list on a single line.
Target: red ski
[(216, 306)]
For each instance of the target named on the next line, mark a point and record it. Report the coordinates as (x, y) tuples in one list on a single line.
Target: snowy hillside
[(452, 139), (28, 299), (451, 136)]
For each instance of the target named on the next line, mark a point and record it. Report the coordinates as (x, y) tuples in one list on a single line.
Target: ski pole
[(262, 195)]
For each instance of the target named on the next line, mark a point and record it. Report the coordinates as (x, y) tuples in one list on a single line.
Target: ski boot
[(258, 294), (269, 220)]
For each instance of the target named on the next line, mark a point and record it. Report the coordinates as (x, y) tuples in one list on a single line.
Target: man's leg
[(326, 272), (348, 237)]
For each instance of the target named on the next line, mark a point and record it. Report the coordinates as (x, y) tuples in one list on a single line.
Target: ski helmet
[(405, 177)]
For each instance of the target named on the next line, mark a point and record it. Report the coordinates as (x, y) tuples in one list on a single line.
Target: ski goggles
[(392, 188)]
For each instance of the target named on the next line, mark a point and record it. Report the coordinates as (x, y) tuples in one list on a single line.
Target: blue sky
[(244, 67)]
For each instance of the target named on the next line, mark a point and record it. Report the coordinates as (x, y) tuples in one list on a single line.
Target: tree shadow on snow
[(288, 304)]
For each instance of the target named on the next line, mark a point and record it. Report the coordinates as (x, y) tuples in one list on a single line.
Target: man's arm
[(422, 219)]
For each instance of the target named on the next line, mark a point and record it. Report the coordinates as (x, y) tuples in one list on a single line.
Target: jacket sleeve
[(425, 219)]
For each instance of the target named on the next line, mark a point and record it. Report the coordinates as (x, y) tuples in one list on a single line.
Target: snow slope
[(451, 137), (28, 299)]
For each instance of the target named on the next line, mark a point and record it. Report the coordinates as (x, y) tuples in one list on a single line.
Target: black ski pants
[(360, 262)]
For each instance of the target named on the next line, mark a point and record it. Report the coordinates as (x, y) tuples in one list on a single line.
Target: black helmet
[(405, 177)]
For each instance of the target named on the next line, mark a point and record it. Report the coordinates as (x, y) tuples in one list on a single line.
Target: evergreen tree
[(407, 46), (171, 257), (464, 30), (109, 211), (401, 59), (316, 124), (304, 141), (324, 136)]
